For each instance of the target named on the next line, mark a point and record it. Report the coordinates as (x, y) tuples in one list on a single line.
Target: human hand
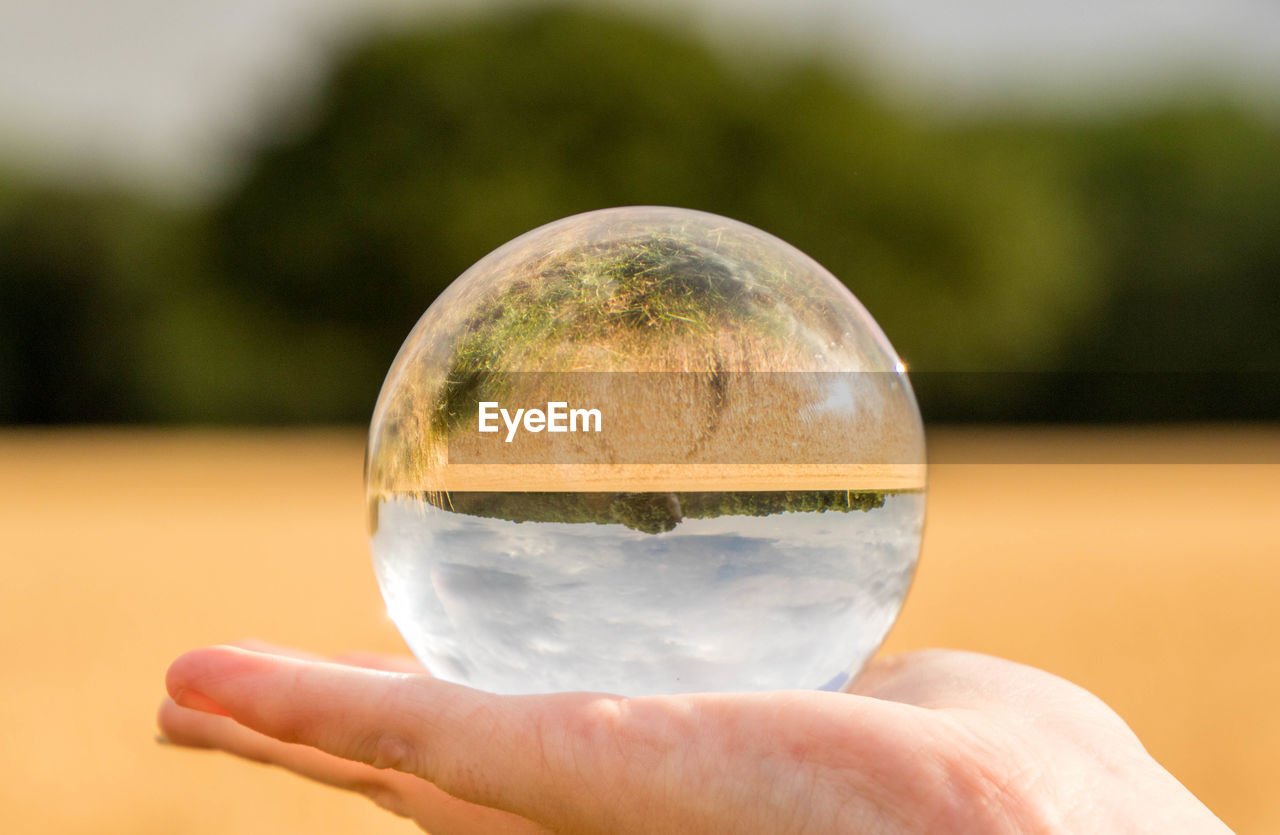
[(934, 741)]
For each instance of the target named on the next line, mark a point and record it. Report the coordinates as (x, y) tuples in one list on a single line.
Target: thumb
[(517, 753)]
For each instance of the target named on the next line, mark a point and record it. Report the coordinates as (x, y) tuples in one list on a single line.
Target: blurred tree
[(71, 302), (431, 147), (1136, 244), (1187, 206)]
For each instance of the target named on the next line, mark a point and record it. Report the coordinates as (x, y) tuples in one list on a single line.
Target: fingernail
[(198, 701), (161, 739)]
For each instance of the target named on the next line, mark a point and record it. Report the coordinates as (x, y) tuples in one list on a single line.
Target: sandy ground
[(1154, 582)]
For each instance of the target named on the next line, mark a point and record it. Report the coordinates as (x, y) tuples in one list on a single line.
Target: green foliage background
[(1099, 251)]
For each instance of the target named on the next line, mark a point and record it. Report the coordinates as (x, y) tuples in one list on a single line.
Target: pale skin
[(936, 741)]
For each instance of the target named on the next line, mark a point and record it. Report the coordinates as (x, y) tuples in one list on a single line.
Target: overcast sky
[(156, 89)]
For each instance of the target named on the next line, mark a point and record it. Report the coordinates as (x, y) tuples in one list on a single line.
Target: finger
[(401, 794), (513, 753), (953, 679), (353, 658), (940, 678), (381, 661), (259, 645), (196, 729)]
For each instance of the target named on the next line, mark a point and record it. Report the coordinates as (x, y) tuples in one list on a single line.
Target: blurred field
[(1152, 582)]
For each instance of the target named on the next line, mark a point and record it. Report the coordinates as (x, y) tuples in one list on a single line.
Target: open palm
[(933, 741)]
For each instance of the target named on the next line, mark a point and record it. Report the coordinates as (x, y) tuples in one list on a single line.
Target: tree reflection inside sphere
[(645, 450)]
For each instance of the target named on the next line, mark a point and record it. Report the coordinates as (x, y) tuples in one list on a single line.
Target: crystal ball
[(645, 450)]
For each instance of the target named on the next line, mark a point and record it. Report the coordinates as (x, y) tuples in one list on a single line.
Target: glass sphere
[(645, 450)]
